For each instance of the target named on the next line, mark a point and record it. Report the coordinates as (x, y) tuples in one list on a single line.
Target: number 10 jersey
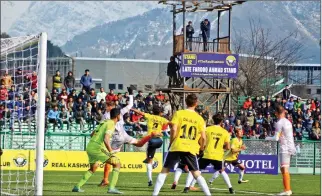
[(189, 127)]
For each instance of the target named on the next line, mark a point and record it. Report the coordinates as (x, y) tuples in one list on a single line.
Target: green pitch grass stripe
[(218, 189), (79, 175), (247, 192)]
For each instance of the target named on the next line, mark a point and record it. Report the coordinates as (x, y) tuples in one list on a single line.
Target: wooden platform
[(187, 89)]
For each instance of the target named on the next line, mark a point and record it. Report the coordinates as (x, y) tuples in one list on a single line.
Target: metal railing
[(198, 44), (308, 155)]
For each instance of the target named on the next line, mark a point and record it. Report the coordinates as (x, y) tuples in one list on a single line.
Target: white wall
[(123, 71)]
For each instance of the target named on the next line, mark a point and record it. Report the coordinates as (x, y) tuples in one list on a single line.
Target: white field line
[(219, 189), (248, 192), (5, 193)]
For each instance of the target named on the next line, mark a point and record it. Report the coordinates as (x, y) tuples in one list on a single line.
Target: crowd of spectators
[(65, 106), (89, 107), (18, 98), (256, 117)]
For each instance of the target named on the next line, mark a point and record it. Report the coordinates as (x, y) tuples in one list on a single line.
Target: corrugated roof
[(119, 59), (142, 60)]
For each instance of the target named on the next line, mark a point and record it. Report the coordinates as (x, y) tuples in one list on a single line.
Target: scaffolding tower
[(214, 93)]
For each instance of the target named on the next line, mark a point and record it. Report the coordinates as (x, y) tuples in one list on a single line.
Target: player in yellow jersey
[(231, 157), (156, 124), (187, 138), (218, 140), (96, 151)]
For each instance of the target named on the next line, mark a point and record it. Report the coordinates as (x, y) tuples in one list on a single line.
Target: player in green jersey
[(96, 151)]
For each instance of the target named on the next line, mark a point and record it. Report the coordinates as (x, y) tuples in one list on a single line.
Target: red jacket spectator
[(136, 117), (247, 103), (160, 96), (111, 96), (3, 93), (313, 106), (63, 95), (34, 80)]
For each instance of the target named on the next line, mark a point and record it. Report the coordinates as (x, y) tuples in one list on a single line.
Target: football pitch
[(61, 183)]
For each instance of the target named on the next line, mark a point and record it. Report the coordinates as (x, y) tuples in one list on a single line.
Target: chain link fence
[(260, 147), (308, 154)]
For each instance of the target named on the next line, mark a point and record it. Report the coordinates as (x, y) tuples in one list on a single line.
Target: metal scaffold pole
[(184, 45), (174, 29), (216, 91)]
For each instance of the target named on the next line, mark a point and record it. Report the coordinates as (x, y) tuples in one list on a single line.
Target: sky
[(10, 11)]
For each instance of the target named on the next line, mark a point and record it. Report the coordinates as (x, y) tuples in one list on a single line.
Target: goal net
[(22, 114)]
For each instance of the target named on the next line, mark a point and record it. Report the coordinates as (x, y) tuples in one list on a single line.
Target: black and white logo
[(20, 160)]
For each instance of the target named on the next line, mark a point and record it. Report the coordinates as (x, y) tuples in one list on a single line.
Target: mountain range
[(62, 20), (144, 29)]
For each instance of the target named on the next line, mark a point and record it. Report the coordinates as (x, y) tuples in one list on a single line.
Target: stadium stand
[(79, 112)]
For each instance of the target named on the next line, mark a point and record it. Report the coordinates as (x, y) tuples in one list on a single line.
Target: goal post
[(23, 70), (42, 53)]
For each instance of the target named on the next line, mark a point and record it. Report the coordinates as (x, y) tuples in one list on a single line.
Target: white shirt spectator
[(107, 115), (100, 96), (167, 109), (123, 100)]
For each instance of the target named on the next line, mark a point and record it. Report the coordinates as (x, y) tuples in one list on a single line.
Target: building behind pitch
[(117, 74), (304, 78), (147, 75)]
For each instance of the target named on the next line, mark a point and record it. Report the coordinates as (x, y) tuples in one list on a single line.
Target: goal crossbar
[(9, 45)]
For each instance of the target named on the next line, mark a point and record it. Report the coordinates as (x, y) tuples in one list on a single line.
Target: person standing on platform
[(205, 32), (57, 81), (286, 93), (69, 82), (86, 81), (189, 34), (173, 67)]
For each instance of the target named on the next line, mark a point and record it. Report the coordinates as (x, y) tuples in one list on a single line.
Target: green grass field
[(61, 183)]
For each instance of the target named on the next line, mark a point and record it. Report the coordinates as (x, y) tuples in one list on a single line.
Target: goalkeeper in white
[(120, 137), (284, 135)]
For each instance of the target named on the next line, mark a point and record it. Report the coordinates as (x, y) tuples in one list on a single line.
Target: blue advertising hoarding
[(209, 65), (254, 164)]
